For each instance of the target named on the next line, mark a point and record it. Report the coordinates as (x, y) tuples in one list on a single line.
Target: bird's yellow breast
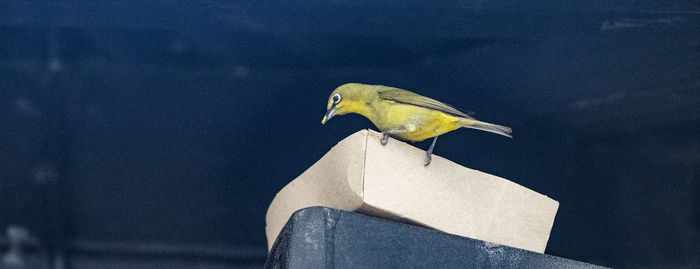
[(418, 122)]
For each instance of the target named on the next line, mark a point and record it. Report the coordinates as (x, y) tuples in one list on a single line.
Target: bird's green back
[(411, 98)]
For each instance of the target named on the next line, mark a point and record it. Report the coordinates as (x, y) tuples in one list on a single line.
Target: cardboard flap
[(453, 198)]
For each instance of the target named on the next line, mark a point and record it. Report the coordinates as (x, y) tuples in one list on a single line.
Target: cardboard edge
[(554, 217), (368, 132), (370, 210)]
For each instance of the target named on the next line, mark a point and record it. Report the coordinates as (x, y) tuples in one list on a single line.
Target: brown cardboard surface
[(360, 174)]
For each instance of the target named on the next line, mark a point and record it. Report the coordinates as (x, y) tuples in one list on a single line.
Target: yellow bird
[(403, 114)]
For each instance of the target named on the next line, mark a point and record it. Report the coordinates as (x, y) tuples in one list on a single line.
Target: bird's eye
[(336, 98)]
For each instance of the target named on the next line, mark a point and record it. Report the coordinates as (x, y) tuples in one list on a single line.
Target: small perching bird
[(403, 114)]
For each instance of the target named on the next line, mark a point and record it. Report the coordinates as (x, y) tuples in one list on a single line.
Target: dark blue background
[(157, 133)]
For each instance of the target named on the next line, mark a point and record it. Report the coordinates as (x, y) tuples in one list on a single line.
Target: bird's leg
[(429, 153), (385, 135)]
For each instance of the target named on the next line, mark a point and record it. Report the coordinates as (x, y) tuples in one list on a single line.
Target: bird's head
[(348, 98)]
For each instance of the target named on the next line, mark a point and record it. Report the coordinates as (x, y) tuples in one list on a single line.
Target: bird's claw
[(428, 159), (385, 138)]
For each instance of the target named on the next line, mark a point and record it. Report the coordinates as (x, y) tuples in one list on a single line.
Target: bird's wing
[(410, 98)]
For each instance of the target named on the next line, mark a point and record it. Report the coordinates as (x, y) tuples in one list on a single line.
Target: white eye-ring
[(336, 98)]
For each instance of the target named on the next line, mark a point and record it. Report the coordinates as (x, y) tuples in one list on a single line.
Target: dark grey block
[(319, 237)]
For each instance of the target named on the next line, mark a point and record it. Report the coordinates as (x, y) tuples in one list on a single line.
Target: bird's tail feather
[(488, 127)]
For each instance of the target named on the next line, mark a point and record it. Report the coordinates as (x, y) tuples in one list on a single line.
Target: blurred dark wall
[(156, 134)]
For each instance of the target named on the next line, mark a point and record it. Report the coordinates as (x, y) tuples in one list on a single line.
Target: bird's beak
[(329, 115)]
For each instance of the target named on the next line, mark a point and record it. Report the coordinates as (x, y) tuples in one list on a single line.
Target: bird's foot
[(429, 152), (428, 159), (385, 138)]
